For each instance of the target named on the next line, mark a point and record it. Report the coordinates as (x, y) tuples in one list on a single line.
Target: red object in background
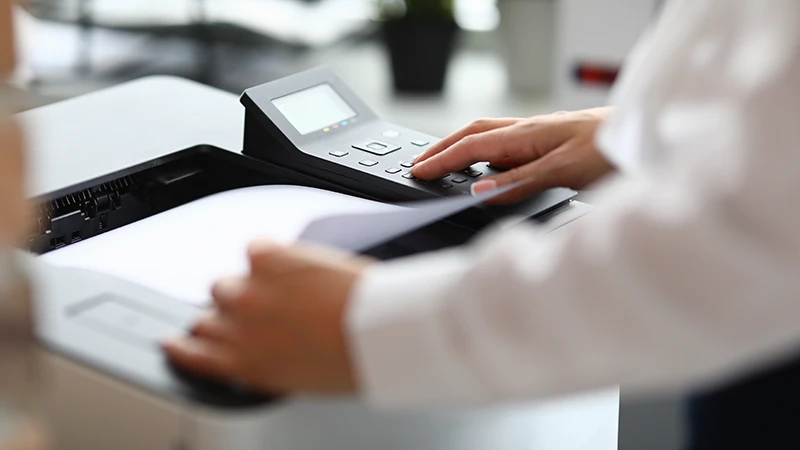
[(596, 74)]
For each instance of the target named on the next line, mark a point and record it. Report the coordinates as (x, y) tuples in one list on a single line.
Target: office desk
[(83, 138)]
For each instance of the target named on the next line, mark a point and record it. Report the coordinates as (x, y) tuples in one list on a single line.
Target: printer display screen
[(314, 109)]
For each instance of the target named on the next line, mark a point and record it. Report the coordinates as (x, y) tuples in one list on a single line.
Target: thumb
[(272, 259), (265, 255)]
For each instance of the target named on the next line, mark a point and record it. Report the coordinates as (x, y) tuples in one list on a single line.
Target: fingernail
[(262, 246), (483, 186), (228, 290)]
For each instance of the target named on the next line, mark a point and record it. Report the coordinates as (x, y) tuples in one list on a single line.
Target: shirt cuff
[(400, 341)]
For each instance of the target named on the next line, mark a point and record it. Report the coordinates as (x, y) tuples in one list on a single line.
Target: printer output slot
[(155, 187)]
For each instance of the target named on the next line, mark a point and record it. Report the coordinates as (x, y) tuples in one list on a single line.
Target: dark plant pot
[(420, 54)]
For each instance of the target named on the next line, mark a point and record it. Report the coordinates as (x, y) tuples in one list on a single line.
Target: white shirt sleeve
[(685, 274)]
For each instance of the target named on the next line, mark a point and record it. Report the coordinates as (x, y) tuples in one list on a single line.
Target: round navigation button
[(391, 133)]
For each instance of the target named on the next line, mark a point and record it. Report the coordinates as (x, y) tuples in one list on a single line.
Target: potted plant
[(420, 37)]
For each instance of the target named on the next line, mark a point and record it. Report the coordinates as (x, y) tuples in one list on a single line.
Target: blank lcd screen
[(313, 109)]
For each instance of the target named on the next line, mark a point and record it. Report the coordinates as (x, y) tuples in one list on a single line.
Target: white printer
[(118, 156)]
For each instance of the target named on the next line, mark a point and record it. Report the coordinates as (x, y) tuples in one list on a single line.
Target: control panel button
[(459, 180), (409, 176), (368, 163), (420, 143), (473, 173), (393, 170), (407, 164), (377, 147), (446, 186), (391, 133), (339, 154)]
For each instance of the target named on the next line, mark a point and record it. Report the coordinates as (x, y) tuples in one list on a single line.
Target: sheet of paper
[(181, 252), (361, 230)]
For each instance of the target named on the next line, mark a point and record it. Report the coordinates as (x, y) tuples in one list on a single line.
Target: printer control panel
[(314, 123), (387, 153)]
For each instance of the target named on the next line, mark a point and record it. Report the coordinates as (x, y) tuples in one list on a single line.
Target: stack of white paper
[(181, 252)]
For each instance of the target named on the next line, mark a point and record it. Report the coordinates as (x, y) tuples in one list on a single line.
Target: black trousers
[(759, 412)]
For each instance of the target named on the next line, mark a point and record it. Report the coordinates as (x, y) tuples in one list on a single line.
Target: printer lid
[(80, 139)]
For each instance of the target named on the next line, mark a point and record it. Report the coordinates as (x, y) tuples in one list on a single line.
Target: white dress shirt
[(687, 273)]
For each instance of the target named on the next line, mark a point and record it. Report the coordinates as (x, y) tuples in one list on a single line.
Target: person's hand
[(556, 150), (282, 328)]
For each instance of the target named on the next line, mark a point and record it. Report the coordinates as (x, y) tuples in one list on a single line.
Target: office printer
[(108, 383)]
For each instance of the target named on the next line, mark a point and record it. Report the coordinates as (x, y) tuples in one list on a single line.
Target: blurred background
[(431, 65)]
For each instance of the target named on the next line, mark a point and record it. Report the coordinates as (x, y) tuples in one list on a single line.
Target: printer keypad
[(452, 183)]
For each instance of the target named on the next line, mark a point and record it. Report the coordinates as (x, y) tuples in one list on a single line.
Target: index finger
[(476, 127), (489, 146)]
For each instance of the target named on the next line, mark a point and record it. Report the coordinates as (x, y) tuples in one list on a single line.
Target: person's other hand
[(556, 150), (282, 328)]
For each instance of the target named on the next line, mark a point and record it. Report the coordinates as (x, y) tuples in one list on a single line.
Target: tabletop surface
[(79, 139)]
